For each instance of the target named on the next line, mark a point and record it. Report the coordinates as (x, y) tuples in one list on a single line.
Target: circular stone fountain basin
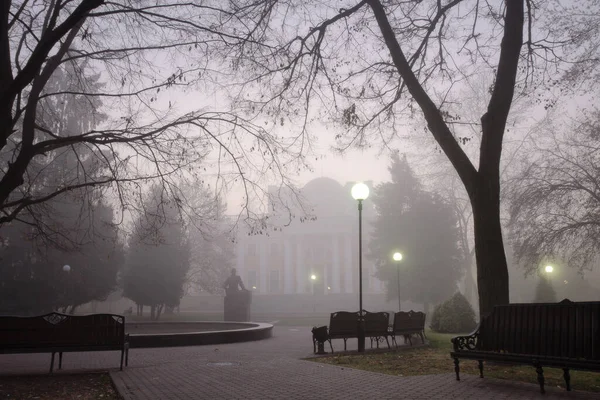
[(194, 333)]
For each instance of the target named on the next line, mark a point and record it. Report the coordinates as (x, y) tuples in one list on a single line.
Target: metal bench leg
[(540, 376), (457, 368), (388, 342), (127, 354), (480, 362), (567, 377), (330, 345), (122, 356), (422, 337), (394, 343), (345, 344), (60, 360), (52, 363)]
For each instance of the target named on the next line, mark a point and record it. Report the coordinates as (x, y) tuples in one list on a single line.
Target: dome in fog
[(327, 197)]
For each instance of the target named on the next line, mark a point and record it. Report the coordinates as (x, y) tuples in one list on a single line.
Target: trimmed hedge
[(455, 315)]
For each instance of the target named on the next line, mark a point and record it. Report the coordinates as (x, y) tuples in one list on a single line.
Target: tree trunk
[(159, 309), (152, 312), (492, 273)]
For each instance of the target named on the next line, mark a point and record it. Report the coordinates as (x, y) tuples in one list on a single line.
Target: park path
[(269, 369)]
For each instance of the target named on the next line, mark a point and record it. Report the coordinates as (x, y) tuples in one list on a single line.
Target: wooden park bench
[(407, 324), (58, 333), (561, 335), (377, 326), (343, 325)]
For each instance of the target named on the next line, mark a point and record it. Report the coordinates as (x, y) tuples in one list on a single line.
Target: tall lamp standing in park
[(398, 257), (67, 269), (313, 278), (360, 192)]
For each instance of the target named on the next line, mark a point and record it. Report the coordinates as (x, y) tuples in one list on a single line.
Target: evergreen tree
[(423, 228), (159, 256), (544, 291), (76, 228)]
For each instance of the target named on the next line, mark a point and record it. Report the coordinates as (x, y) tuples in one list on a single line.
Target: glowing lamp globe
[(313, 277), (360, 191), (397, 256), (549, 269), (66, 268)]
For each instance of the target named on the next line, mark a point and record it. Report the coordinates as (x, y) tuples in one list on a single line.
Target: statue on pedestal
[(231, 284), (237, 302)]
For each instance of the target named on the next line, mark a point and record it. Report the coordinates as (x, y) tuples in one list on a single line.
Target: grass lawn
[(58, 386), (435, 359)]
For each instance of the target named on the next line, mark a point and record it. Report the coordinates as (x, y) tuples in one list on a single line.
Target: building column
[(288, 278), (300, 267), (335, 274)]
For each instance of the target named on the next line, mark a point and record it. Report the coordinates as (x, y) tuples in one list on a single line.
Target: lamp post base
[(361, 335)]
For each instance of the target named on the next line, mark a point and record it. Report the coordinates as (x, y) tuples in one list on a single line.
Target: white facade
[(326, 246)]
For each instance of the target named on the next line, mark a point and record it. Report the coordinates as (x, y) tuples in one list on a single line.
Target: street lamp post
[(398, 257), (67, 269), (360, 192), (313, 278)]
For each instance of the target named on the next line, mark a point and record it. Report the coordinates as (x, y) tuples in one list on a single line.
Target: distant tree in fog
[(158, 257), (424, 229), (544, 291), (143, 133), (555, 199), (212, 250)]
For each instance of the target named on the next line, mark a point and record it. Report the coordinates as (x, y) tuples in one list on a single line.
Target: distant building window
[(274, 281), (252, 279)]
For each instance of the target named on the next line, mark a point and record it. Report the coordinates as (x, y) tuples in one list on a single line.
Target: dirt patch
[(59, 386)]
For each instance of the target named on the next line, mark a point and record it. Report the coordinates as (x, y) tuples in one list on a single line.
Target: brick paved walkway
[(268, 369)]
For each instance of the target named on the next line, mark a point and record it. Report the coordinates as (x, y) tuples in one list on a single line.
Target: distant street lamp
[(360, 192), (67, 268), (398, 257), (549, 269), (313, 278)]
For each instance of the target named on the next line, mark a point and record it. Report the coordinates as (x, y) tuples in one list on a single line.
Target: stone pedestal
[(237, 306)]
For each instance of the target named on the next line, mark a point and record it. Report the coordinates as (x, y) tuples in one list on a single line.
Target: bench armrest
[(468, 342)]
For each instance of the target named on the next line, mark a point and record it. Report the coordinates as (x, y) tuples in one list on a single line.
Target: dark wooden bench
[(408, 323), (562, 335), (58, 333), (343, 325), (377, 326)]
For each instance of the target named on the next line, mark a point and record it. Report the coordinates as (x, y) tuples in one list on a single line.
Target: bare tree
[(555, 201), (143, 55), (370, 64)]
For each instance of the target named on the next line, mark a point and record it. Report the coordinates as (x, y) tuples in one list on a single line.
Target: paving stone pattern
[(269, 369)]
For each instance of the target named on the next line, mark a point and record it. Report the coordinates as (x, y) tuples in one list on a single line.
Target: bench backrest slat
[(376, 322), (60, 330), (343, 323), (565, 329), (409, 321)]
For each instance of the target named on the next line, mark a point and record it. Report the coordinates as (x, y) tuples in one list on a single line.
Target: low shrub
[(455, 315)]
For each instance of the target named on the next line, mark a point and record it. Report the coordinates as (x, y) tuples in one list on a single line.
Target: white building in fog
[(282, 261)]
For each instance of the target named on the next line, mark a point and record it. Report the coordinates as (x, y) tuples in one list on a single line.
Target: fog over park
[(149, 147)]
